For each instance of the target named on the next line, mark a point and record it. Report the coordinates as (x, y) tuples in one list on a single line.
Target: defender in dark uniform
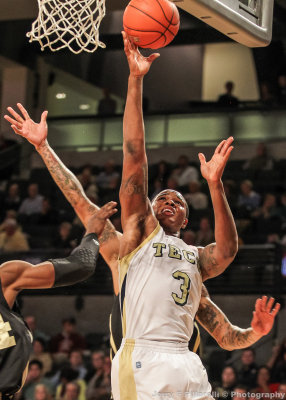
[(15, 337)]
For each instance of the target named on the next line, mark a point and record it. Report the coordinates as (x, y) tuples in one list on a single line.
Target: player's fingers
[(12, 121), (263, 302), (44, 117), (270, 304), (23, 111), (258, 305), (226, 156), (16, 130), (219, 147), (275, 309), (153, 57), (226, 145), (202, 158), (15, 115)]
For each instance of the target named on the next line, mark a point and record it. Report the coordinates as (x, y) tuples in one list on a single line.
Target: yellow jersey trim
[(127, 385), (124, 262)]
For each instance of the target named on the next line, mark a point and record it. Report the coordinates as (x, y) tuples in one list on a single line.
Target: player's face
[(170, 210)]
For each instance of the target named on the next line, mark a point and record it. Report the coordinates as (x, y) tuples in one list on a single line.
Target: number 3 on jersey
[(185, 287), (5, 340)]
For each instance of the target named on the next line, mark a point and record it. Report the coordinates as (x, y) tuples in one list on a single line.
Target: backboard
[(249, 22)]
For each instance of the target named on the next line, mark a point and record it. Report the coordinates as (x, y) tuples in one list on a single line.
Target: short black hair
[(38, 363)]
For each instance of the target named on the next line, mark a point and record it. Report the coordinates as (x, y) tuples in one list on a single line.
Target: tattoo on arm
[(137, 184), (208, 317), (107, 234), (64, 178)]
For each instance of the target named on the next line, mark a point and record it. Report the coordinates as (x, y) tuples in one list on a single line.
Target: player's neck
[(170, 233)]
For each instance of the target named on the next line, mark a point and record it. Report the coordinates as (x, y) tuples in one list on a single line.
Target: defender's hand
[(264, 315), (138, 65), (212, 170), (97, 222), (24, 126)]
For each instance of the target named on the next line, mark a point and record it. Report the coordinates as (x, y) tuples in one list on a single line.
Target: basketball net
[(68, 23)]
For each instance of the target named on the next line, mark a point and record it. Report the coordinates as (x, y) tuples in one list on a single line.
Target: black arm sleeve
[(80, 265)]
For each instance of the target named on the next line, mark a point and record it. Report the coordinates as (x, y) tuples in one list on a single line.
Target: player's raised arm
[(215, 257), (36, 134), (229, 336), (134, 185)]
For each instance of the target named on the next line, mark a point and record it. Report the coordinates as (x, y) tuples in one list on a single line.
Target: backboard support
[(248, 22)]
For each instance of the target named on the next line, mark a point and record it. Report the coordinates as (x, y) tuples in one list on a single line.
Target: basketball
[(151, 23)]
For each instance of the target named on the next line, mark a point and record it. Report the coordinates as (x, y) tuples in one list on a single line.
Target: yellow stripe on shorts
[(127, 384)]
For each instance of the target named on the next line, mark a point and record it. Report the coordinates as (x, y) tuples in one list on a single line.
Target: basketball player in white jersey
[(209, 315), (160, 276)]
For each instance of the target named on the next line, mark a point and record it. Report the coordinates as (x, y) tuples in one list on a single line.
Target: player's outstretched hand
[(212, 170), (26, 127), (264, 315), (138, 65), (97, 222)]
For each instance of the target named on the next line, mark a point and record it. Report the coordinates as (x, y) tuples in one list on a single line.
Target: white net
[(68, 23)]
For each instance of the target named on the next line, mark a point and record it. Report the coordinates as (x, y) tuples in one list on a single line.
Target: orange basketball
[(151, 23)]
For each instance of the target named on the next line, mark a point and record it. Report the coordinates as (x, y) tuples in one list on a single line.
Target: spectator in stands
[(37, 333), (100, 383), (41, 355), (195, 198), (239, 392), (246, 374), (77, 364), (262, 161), (205, 234), (248, 199), (184, 173), (227, 385), (277, 354), (268, 208), (12, 199), (65, 238), (282, 209), (264, 386), (69, 339), (68, 376), (72, 391), (230, 192), (109, 178), (282, 90), (42, 392), (34, 377), (279, 371), (162, 172), (12, 238), (107, 105), (189, 237), (48, 215), (33, 203), (87, 179), (281, 391), (227, 99), (267, 96), (97, 364), (172, 184)]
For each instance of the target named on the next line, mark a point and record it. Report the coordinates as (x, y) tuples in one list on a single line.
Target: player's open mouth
[(168, 211)]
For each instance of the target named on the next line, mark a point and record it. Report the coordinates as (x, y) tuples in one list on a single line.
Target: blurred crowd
[(68, 366), (35, 215)]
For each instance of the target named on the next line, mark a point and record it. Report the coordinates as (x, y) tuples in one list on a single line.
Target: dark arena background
[(204, 88)]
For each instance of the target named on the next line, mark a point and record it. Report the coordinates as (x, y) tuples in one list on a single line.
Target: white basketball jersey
[(160, 289)]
